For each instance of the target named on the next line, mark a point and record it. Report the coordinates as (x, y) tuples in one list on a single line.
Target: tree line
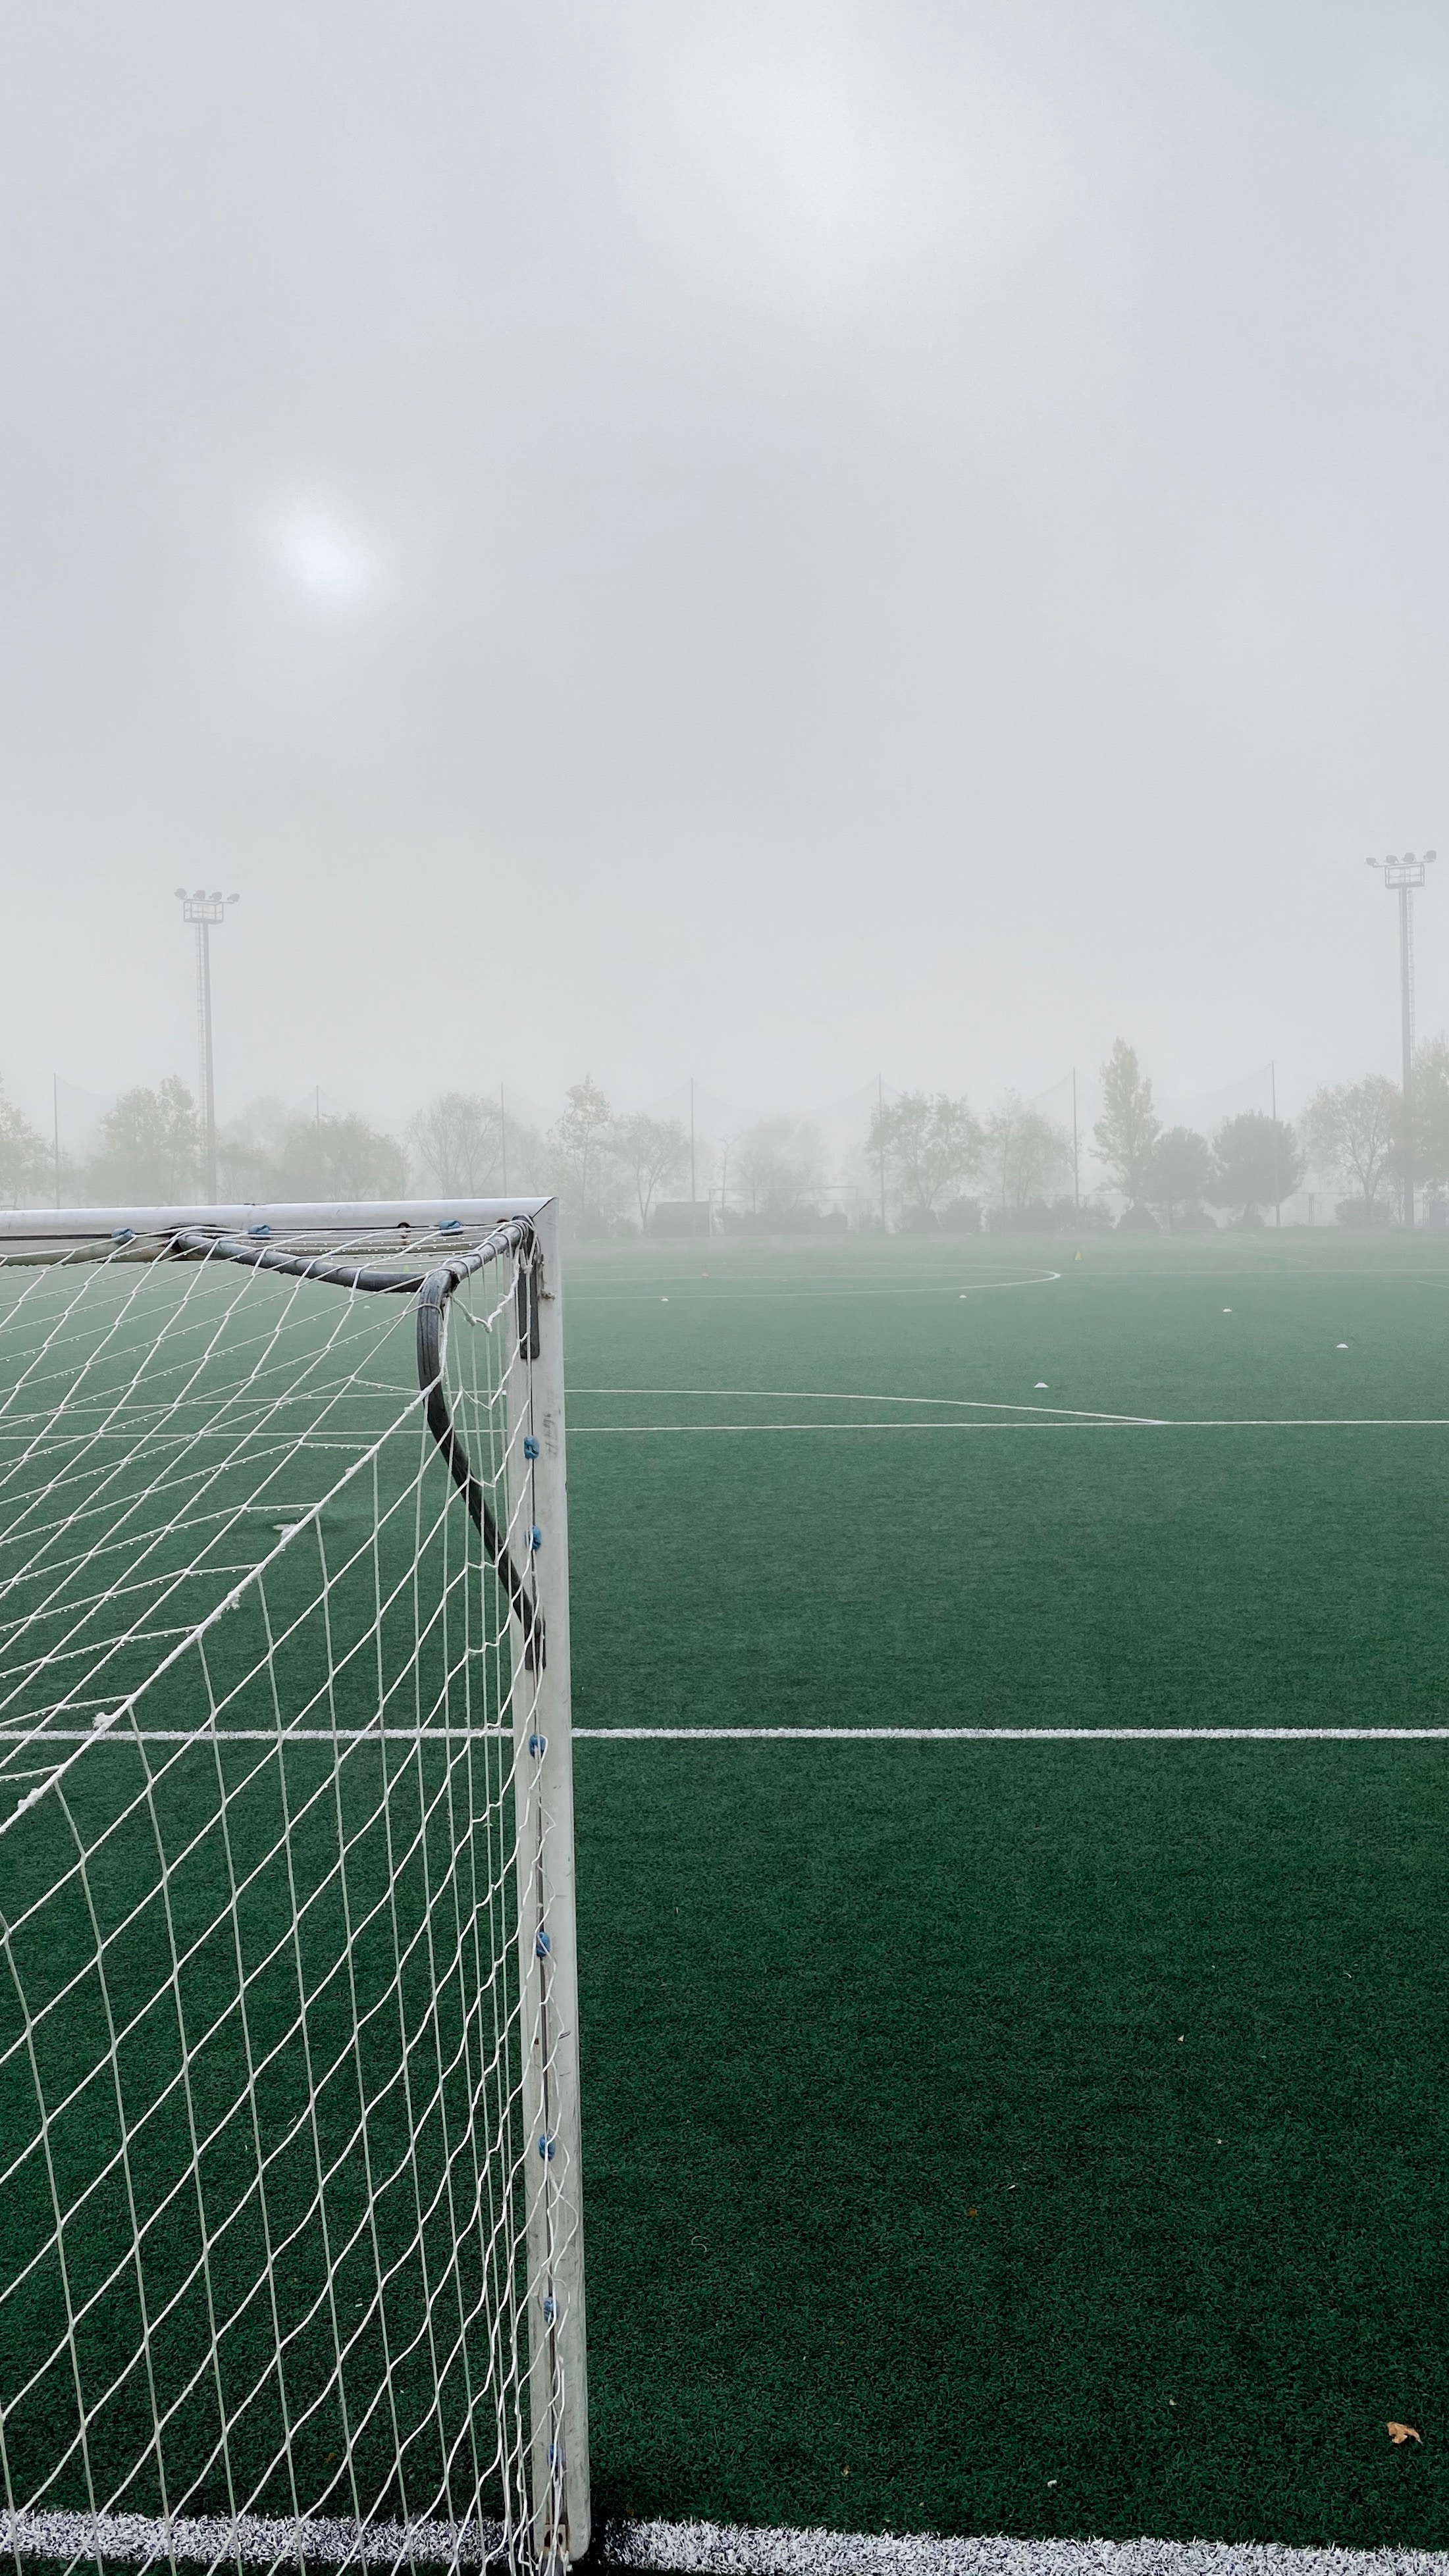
[(1355, 1135), (932, 1150), (927, 1161), (149, 1151)]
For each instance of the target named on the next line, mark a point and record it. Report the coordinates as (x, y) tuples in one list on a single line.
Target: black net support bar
[(433, 1288)]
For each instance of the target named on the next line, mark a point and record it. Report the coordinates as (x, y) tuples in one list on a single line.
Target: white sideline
[(726, 2549), (684, 2549)]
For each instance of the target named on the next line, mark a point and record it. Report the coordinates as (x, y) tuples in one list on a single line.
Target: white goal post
[(291, 2238)]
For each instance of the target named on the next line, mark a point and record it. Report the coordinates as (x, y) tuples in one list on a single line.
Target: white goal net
[(291, 2259)]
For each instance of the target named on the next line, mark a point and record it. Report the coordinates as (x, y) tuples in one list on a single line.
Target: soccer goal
[(291, 2255)]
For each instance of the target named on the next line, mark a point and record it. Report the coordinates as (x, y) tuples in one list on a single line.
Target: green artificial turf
[(1016, 2137), (978, 2137), (1014, 1575), (271, 2147), (1025, 2139)]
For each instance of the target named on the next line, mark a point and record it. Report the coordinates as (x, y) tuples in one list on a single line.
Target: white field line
[(1092, 1422), (12, 1739), (787, 1295), (251, 2539), (1005, 1274), (746, 1430), (1022, 1417), (39, 1736), (680, 2549), (1011, 1734), (814, 1395), (723, 2549)]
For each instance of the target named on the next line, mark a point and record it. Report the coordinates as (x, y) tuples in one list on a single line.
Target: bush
[(1057, 1216), (1364, 1212), (1092, 1216), (796, 1220), (1138, 1220), (958, 1216), (1032, 1217)]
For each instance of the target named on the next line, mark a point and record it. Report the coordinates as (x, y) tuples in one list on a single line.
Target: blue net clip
[(541, 1944), (535, 1538), (538, 1746), (124, 1234), (546, 2147), (550, 2311), (530, 1445), (258, 1229), (450, 1225)]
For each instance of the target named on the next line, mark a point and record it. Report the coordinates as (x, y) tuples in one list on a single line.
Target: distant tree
[(149, 1148), (727, 1147), (1429, 1102), (1179, 1173), (578, 1145), (249, 1150), (246, 1171), (457, 1142), (652, 1151), (779, 1166), (1257, 1163), (25, 1159), (1129, 1126), (341, 1158), (1023, 1151), (1352, 1131), (929, 1146)]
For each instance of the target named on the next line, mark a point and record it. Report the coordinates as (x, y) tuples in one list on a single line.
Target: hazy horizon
[(771, 544)]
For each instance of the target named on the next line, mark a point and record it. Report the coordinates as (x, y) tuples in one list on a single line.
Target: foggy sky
[(769, 541)]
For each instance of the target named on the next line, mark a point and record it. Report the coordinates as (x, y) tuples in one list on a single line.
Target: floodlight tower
[(1401, 876), (205, 913)]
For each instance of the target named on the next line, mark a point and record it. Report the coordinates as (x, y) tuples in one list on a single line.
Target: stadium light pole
[(1401, 876), (205, 913)]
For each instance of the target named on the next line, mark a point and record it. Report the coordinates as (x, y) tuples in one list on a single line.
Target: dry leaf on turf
[(1402, 2433)]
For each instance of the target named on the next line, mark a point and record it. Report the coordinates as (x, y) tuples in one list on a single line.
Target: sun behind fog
[(325, 557)]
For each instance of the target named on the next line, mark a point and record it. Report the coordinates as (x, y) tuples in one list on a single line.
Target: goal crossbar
[(47, 1231)]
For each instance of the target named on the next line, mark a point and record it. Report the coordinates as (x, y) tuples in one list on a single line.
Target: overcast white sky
[(772, 541)]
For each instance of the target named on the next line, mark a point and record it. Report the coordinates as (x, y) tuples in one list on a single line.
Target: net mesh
[(267, 1823)]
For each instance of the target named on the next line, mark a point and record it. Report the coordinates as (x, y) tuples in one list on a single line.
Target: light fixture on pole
[(205, 913), (1401, 876)]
